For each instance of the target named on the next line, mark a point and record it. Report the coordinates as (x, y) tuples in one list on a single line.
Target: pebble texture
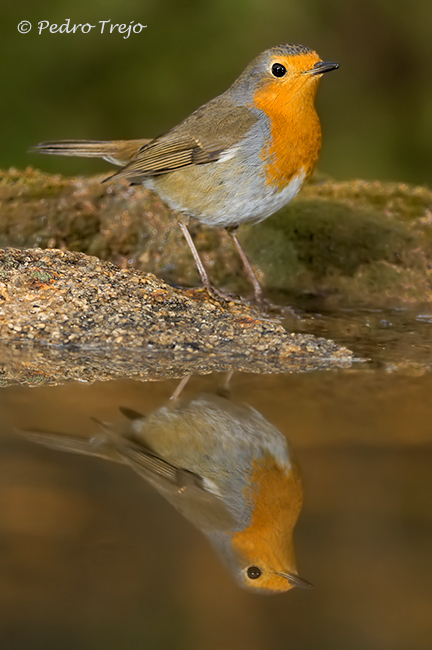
[(67, 315)]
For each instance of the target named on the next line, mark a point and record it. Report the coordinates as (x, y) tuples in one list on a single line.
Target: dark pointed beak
[(323, 66), (296, 581)]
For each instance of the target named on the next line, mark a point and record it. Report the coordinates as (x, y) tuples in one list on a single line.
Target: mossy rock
[(348, 243), (351, 243)]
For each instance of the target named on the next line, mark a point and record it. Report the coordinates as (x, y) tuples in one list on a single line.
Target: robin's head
[(266, 576), (260, 553), (259, 564), (282, 72)]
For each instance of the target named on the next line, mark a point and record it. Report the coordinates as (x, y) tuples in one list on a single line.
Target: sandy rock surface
[(67, 315)]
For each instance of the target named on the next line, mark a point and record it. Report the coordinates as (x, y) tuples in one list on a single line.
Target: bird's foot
[(221, 296), (269, 307)]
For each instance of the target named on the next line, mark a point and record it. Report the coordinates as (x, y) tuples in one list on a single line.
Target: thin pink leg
[(176, 394), (248, 268), (200, 266)]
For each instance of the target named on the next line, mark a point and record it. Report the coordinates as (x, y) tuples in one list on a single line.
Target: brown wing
[(201, 138)]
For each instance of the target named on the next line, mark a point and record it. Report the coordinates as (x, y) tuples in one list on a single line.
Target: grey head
[(283, 64)]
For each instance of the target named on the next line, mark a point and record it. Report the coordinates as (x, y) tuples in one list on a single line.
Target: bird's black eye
[(278, 70), (253, 572)]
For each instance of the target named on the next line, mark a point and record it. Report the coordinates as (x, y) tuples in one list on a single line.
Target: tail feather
[(118, 152), (99, 445)]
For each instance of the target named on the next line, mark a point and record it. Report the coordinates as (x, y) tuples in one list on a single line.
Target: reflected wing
[(131, 414), (187, 491)]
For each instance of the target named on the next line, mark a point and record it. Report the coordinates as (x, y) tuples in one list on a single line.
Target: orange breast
[(295, 133), (276, 498)]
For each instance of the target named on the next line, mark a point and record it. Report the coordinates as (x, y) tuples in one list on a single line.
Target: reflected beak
[(296, 581), (323, 66)]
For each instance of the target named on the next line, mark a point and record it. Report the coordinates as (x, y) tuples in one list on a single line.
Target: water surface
[(93, 557)]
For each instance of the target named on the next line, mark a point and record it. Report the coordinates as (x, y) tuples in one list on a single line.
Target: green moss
[(391, 199), (354, 242), (382, 284), (322, 238), (31, 183), (42, 276), (348, 241)]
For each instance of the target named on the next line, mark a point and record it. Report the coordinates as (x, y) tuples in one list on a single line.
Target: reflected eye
[(253, 572), (278, 70)]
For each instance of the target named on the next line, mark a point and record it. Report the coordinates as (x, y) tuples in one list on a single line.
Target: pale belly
[(224, 194)]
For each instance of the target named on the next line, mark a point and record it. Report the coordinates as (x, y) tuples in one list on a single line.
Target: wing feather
[(192, 142)]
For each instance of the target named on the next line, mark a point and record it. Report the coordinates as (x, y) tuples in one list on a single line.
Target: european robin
[(222, 466), (238, 158)]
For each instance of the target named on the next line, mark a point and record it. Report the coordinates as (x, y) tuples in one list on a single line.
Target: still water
[(94, 555)]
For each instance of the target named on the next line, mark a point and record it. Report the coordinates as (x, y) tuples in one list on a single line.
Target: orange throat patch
[(295, 132), (275, 494)]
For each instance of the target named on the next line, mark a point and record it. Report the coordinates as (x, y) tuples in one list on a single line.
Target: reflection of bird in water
[(225, 468)]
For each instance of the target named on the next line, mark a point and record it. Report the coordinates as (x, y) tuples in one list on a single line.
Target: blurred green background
[(376, 110)]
